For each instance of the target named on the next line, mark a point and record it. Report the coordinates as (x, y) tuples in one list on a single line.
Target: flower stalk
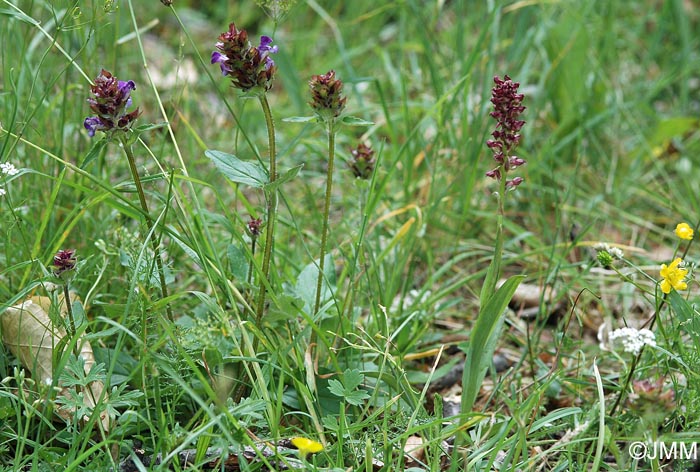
[(326, 212), (328, 103), (64, 266), (109, 101), (251, 69), (271, 208), (149, 222)]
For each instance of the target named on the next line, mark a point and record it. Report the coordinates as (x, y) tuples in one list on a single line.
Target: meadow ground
[(160, 300)]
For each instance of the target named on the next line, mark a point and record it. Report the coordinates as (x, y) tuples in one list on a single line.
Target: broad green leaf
[(239, 262), (236, 170), (306, 283), (483, 340)]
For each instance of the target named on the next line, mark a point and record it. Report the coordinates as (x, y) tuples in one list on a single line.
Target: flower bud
[(326, 95), (64, 261), (362, 164)]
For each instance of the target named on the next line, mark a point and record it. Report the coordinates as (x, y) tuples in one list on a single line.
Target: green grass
[(611, 139)]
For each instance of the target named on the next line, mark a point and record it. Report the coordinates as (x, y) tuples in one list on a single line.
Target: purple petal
[(265, 42), (92, 124), (126, 87), (216, 56)]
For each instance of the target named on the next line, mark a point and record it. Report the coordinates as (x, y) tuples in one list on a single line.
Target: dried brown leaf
[(29, 333)]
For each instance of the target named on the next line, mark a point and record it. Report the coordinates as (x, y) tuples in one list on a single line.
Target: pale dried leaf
[(413, 449), (30, 335)]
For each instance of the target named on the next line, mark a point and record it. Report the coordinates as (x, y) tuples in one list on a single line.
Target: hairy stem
[(149, 223), (71, 318), (271, 210), (326, 211)]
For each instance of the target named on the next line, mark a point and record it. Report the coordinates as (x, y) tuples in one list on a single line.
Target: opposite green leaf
[(94, 151), (236, 170), (283, 178)]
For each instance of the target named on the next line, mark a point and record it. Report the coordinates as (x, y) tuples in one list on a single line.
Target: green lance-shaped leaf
[(283, 178), (236, 170), (482, 342)]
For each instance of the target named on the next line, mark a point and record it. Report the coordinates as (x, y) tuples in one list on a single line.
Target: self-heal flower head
[(111, 98), (254, 227), (684, 231), (64, 261), (362, 164), (673, 276), (507, 104), (327, 95), (248, 67)]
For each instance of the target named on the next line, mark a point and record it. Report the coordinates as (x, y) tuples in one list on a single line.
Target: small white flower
[(8, 168), (632, 340), (2, 191), (616, 253)]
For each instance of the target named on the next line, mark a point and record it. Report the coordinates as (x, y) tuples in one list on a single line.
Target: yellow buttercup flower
[(684, 231), (306, 446), (673, 276)]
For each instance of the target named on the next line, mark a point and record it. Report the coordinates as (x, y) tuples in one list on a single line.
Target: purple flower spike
[(507, 104), (111, 98), (248, 67)]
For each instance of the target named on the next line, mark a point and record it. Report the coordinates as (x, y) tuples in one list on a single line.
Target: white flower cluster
[(632, 340), (615, 252), (7, 168)]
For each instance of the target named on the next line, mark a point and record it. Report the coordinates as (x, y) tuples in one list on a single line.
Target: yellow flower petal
[(673, 276), (665, 286), (306, 446), (684, 231)]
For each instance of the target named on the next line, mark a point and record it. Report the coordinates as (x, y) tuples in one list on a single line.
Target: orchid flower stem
[(326, 211), (271, 211), (149, 223), (71, 318)]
